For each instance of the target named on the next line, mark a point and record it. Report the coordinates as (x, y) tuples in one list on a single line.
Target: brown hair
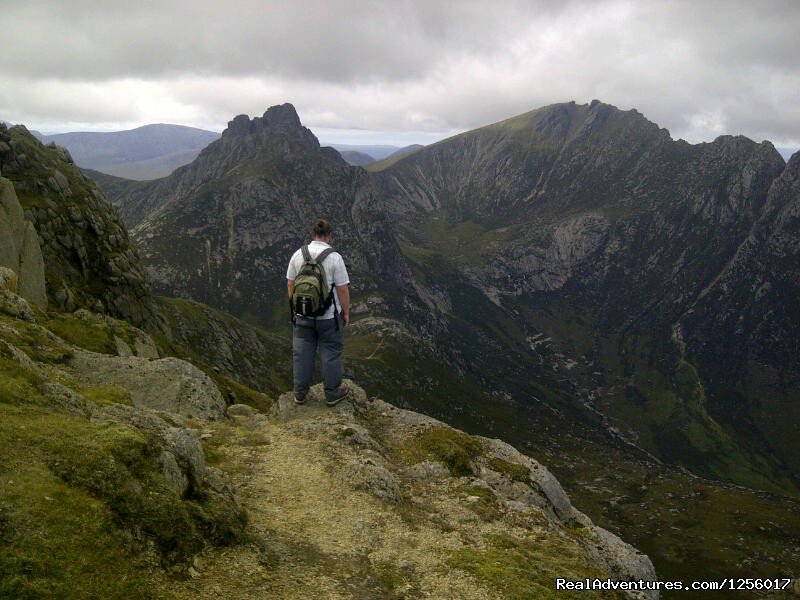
[(321, 229)]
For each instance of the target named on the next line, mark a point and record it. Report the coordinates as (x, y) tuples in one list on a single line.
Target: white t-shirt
[(335, 271)]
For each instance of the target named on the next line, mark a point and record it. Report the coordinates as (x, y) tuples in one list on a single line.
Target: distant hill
[(394, 157), (147, 152), (356, 158), (407, 150), (378, 152)]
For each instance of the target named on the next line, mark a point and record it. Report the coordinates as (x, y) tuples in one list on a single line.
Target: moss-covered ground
[(85, 511)]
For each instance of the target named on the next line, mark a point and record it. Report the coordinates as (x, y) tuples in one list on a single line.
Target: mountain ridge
[(543, 263), (591, 163)]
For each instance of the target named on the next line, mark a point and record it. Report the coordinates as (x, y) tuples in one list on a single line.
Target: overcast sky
[(401, 72)]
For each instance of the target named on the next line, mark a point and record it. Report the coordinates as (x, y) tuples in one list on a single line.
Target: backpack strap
[(324, 254), (335, 308), (306, 253)]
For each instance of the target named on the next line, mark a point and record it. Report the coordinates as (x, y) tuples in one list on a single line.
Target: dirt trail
[(312, 533)]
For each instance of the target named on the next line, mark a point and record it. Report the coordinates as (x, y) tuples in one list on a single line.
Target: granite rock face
[(88, 259), (168, 384), (19, 249), (744, 327)]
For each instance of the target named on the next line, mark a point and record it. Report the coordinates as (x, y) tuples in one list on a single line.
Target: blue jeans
[(308, 334)]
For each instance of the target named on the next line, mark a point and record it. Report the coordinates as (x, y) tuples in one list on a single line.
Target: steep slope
[(146, 152), (89, 260), (594, 231), (20, 254), (743, 329)]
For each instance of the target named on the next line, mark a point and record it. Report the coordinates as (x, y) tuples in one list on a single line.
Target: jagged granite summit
[(237, 213)]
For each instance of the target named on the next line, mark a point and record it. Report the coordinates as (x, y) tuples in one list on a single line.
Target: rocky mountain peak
[(282, 117)]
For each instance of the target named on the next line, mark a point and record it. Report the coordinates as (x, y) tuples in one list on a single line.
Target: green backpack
[(312, 296)]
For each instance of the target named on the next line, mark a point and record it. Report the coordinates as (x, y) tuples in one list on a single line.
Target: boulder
[(8, 280), (241, 410), (376, 479), (169, 384), (15, 306)]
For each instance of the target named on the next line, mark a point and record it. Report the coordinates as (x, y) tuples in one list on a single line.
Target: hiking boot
[(343, 395), (299, 400)]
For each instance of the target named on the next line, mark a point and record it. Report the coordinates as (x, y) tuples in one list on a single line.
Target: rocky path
[(313, 533)]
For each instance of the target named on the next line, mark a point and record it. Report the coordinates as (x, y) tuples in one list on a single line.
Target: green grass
[(75, 502), (511, 470), (84, 508), (59, 542), (17, 385), (526, 569), (95, 337), (107, 395), (454, 449)]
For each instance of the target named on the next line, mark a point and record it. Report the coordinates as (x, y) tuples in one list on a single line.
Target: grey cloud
[(697, 68), (335, 41)]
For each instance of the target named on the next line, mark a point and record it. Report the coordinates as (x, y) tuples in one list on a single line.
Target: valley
[(573, 281), (554, 269)]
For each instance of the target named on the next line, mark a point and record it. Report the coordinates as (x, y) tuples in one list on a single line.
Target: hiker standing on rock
[(317, 282)]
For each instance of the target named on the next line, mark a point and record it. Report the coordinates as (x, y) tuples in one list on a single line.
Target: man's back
[(335, 270)]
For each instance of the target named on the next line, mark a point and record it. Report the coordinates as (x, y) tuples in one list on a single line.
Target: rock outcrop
[(89, 260), (167, 384), (19, 249), (450, 484)]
